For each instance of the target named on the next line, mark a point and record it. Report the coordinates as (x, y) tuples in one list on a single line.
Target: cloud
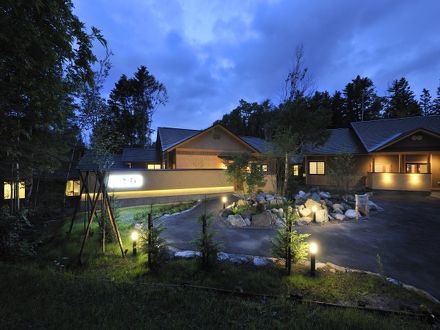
[(210, 54)]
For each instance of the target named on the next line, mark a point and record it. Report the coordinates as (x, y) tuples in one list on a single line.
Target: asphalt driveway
[(406, 236)]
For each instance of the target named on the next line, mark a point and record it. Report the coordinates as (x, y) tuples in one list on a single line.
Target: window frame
[(316, 161), (74, 192), (295, 170), (418, 168), (155, 166), (11, 185)]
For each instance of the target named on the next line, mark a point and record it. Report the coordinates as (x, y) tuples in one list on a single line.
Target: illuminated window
[(295, 170), (264, 168), (153, 166), (72, 188), (382, 167), (8, 190), (417, 168), (317, 168)]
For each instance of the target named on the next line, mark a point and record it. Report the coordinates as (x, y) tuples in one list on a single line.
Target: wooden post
[(289, 242), (103, 211), (78, 204), (356, 198)]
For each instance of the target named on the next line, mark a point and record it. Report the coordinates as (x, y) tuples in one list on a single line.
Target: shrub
[(155, 246), (206, 245)]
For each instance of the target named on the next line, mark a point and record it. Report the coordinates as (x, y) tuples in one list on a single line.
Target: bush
[(206, 245), (156, 248), (14, 230)]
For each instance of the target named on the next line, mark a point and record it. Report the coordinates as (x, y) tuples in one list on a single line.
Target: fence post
[(150, 227)]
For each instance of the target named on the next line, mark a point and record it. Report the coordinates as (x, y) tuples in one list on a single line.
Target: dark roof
[(88, 162), (141, 155), (376, 133), (169, 137), (257, 143), (339, 140)]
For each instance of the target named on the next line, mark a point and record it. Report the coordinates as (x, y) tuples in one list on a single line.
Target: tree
[(341, 170), (426, 103), (131, 105), (288, 244), (361, 101), (248, 118), (401, 101), (45, 58), (436, 103), (254, 178), (337, 103)]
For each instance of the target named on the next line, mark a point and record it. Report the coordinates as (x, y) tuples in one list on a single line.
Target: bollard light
[(134, 238), (313, 249), (224, 201), (314, 209)]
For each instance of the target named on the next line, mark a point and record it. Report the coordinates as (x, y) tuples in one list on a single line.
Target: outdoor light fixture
[(224, 200), (134, 238), (313, 249), (314, 209)]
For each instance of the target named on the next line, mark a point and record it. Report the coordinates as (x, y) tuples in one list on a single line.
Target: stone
[(237, 259), (315, 196), (305, 212), (258, 261), (236, 220), (338, 211), (263, 219), (321, 216), (301, 194), (310, 203), (374, 207), (338, 206), (362, 204), (247, 221), (187, 254), (350, 213), (328, 203), (260, 198), (242, 202), (269, 197), (226, 212), (222, 256), (303, 221), (138, 226), (324, 195), (280, 212), (338, 216)]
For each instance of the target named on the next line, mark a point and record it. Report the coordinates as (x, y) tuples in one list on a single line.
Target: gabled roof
[(88, 162), (376, 133), (340, 140), (171, 137), (141, 155)]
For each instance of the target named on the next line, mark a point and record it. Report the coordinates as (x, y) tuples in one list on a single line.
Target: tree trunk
[(286, 172)]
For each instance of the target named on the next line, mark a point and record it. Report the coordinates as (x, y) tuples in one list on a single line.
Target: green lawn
[(108, 291)]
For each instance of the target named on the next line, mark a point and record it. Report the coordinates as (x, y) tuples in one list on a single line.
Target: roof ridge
[(183, 129), (388, 119)]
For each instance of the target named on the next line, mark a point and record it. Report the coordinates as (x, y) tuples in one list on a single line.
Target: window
[(264, 168), (382, 167), (416, 168), (72, 188), (153, 166), (8, 190), (317, 168), (295, 170)]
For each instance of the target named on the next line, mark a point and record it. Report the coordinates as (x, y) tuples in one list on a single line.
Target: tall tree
[(45, 57), (131, 104), (426, 103), (337, 103), (361, 101), (436, 103), (401, 101)]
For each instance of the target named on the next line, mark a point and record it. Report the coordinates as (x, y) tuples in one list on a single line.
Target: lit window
[(295, 170), (153, 166), (416, 168), (8, 190), (317, 168), (382, 167), (72, 188), (264, 168)]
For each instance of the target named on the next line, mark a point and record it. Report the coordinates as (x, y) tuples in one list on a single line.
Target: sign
[(117, 181)]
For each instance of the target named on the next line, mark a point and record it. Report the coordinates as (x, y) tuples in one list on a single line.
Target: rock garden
[(313, 207)]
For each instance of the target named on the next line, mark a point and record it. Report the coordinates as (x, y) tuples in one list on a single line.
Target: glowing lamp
[(134, 237), (224, 200), (313, 249)]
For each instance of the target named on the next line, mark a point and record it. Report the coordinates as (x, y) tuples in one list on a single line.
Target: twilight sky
[(210, 54)]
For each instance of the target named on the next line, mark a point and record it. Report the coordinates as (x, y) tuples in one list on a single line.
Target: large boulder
[(310, 203), (263, 219), (305, 212), (321, 216), (350, 213), (236, 220), (241, 202), (362, 204)]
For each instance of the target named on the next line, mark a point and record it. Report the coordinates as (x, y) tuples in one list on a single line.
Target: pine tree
[(426, 103), (401, 101), (436, 103)]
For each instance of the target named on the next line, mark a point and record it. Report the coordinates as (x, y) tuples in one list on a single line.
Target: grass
[(43, 298)]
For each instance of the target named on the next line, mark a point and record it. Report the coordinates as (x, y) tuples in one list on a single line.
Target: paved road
[(406, 236)]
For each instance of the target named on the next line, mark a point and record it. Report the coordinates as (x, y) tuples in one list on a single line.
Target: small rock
[(338, 216), (247, 221), (236, 220), (350, 213), (301, 194), (269, 197), (242, 202), (187, 254), (315, 196), (338, 211), (374, 207), (226, 212), (338, 206), (222, 256), (304, 221), (263, 219), (324, 195), (258, 261)]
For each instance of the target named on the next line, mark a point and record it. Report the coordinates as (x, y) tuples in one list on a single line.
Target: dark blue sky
[(210, 54)]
